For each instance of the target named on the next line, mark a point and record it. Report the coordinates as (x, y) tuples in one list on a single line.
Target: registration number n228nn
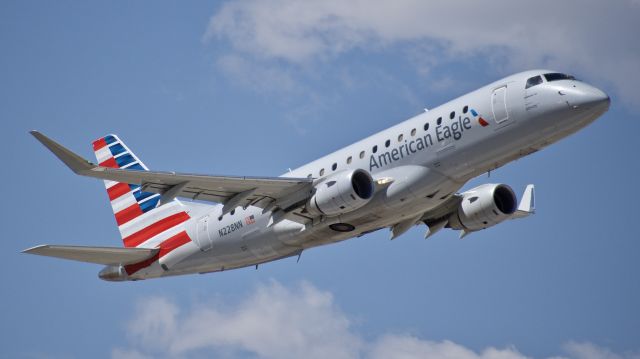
[(229, 229)]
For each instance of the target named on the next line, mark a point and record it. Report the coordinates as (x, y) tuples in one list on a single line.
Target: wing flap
[(98, 255), (442, 211)]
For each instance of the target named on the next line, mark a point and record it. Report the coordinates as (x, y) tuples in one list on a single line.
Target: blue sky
[(256, 87)]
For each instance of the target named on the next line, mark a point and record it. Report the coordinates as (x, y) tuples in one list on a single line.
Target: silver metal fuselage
[(424, 167)]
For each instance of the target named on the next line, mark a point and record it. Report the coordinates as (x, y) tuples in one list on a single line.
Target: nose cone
[(589, 97)]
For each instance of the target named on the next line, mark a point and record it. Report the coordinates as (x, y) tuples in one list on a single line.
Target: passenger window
[(413, 132), (536, 80), (349, 160), (426, 126), (334, 166), (322, 172), (362, 154), (387, 143), (439, 121), (400, 137), (452, 115), (374, 149), (465, 109)]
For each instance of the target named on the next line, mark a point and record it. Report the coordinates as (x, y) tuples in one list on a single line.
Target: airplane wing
[(232, 191), (98, 255)]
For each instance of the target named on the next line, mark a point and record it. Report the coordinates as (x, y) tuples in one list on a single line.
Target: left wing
[(233, 191)]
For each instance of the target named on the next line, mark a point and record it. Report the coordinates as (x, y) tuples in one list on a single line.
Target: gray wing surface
[(232, 191), (98, 255), (442, 211)]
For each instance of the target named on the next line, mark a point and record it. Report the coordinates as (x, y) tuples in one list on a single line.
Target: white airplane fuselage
[(419, 163)]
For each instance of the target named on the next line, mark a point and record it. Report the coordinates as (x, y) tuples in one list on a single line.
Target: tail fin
[(139, 217)]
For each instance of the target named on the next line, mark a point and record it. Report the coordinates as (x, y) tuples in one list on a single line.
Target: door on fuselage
[(499, 104), (203, 238)]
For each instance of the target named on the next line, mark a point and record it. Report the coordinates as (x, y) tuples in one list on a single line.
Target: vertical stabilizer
[(142, 221)]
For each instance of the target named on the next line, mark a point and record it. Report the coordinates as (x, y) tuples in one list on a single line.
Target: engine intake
[(483, 207), (341, 192)]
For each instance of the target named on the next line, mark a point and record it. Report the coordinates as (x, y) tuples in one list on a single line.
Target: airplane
[(406, 175)]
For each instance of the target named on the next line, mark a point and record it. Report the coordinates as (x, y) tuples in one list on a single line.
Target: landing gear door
[(203, 239), (499, 104)]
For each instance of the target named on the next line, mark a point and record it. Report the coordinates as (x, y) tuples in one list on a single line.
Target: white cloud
[(593, 38), (586, 350), (408, 347), (279, 322), (274, 322)]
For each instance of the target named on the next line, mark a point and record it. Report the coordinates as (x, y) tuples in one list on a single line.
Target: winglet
[(76, 163), (527, 204)]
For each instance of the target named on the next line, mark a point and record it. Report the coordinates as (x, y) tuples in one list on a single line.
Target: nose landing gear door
[(203, 238), (499, 105)]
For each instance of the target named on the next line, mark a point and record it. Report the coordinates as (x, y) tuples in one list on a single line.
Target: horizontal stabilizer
[(98, 255)]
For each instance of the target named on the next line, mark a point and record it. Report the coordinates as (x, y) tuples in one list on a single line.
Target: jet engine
[(341, 192), (483, 207)]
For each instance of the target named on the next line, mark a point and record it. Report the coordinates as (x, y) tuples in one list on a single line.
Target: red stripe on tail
[(162, 225), (174, 242), (118, 190), (132, 268), (166, 247), (128, 214), (98, 144), (111, 162)]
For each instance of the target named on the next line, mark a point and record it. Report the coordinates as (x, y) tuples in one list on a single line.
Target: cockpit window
[(558, 76), (536, 80)]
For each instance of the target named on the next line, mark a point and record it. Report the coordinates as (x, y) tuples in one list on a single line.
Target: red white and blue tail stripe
[(141, 221), (127, 200)]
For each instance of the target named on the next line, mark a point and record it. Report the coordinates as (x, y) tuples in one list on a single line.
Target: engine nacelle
[(341, 192), (483, 207)]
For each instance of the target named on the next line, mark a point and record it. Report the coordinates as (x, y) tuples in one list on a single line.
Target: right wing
[(265, 192)]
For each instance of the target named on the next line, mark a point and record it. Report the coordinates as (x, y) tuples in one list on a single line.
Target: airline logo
[(481, 120)]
